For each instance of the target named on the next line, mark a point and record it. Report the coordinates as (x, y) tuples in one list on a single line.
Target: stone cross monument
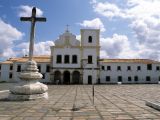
[(29, 88), (33, 19)]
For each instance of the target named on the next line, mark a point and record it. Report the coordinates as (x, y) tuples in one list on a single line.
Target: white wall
[(90, 49), (113, 73), (66, 51), (93, 73), (5, 72), (85, 33), (43, 71)]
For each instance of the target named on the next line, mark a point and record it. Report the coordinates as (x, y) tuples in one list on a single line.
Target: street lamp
[(93, 85), (84, 63)]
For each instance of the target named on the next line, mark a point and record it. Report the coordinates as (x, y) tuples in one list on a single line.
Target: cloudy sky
[(129, 28)]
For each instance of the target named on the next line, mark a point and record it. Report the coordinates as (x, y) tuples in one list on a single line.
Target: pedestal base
[(29, 88), (17, 97)]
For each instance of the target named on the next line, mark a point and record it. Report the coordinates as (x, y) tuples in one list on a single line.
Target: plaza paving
[(74, 102)]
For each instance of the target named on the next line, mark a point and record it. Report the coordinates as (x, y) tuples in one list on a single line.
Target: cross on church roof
[(67, 28)]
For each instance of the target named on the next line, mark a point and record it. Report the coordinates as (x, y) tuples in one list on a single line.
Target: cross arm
[(42, 19), (25, 18)]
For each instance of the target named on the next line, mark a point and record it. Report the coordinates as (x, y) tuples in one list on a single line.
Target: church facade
[(78, 62), (73, 61)]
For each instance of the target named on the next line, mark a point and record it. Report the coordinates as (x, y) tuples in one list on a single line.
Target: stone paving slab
[(74, 102), (5, 86)]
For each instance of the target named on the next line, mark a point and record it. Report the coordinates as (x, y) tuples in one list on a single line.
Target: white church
[(78, 62)]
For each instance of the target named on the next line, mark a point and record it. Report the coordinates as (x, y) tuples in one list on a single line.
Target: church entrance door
[(66, 77), (57, 77), (76, 77)]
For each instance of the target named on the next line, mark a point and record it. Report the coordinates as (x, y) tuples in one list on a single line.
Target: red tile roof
[(46, 58), (145, 61), (40, 59)]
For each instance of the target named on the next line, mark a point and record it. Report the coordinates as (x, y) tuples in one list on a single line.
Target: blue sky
[(57, 12), (129, 29)]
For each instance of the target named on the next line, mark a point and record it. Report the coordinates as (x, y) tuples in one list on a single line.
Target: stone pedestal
[(29, 88)]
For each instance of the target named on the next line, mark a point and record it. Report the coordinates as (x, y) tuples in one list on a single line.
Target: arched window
[(119, 78), (135, 78), (89, 79), (66, 59), (19, 68), (90, 59), (90, 39), (66, 77), (74, 59), (59, 59)]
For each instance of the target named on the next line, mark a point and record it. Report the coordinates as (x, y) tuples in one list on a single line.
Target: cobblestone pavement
[(74, 102), (5, 86)]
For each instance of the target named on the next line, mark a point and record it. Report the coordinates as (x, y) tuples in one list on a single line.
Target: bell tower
[(90, 49)]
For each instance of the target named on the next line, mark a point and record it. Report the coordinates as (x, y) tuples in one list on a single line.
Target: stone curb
[(155, 105)]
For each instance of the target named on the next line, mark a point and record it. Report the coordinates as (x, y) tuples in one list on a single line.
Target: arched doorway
[(66, 77), (76, 77), (57, 77)]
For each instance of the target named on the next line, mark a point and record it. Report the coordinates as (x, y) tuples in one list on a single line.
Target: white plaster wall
[(62, 41), (43, 71), (113, 73), (5, 72), (86, 53), (85, 33), (15, 73), (91, 49), (86, 73), (66, 51)]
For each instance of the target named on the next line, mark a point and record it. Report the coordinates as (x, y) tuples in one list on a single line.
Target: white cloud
[(26, 11), (40, 48), (144, 19), (134, 9), (78, 37), (103, 54), (8, 34), (95, 23), (93, 1), (143, 9), (117, 46), (108, 9), (8, 53), (43, 48)]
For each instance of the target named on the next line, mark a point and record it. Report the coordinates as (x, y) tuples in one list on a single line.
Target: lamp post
[(84, 63), (93, 86)]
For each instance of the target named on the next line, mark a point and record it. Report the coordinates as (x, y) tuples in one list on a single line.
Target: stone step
[(155, 105)]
